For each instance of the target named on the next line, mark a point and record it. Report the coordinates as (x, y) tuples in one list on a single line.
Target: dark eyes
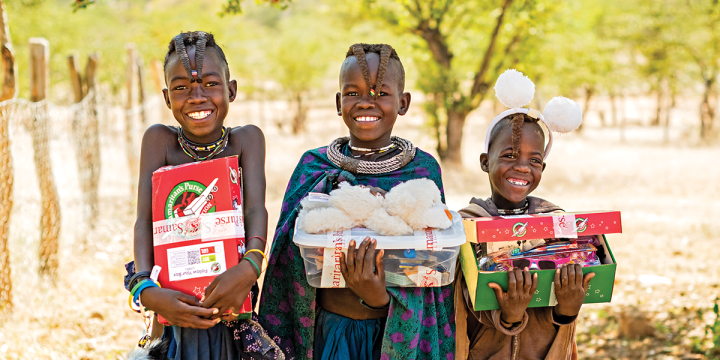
[(355, 93), (511, 157)]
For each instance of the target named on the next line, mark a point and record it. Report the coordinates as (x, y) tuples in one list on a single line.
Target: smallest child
[(514, 158)]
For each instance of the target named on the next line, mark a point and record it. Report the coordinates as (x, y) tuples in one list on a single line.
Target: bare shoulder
[(247, 137), (159, 133)]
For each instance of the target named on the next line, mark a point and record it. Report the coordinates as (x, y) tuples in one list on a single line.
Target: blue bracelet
[(142, 285)]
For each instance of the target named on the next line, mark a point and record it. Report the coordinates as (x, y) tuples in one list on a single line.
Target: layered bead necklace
[(518, 211), (372, 151), (191, 148)]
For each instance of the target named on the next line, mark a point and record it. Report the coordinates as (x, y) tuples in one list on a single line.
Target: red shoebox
[(542, 226), (198, 229)]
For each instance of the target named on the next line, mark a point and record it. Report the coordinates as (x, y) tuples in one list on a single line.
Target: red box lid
[(542, 226), (198, 230)]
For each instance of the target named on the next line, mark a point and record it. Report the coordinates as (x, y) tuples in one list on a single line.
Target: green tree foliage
[(461, 47)]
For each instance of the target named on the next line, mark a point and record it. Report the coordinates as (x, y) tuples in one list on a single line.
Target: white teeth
[(199, 114), (518, 182), (367, 118)]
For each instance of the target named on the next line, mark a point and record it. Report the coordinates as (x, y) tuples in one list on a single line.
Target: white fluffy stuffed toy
[(413, 205)]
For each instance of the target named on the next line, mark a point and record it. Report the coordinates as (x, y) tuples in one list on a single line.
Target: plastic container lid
[(429, 239)]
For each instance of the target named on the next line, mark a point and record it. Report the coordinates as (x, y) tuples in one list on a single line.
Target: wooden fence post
[(9, 91), (141, 92), (130, 76), (159, 81), (85, 130), (50, 207)]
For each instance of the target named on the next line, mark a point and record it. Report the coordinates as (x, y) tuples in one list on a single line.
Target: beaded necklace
[(190, 147), (518, 211), (372, 151), (357, 166)]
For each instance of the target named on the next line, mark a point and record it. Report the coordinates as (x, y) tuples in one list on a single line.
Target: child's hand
[(359, 276), (514, 302), (178, 308), (570, 289), (230, 289)]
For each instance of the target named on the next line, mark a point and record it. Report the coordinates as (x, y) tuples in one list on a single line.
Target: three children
[(366, 320)]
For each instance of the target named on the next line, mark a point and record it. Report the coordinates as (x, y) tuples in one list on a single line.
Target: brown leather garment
[(480, 334)]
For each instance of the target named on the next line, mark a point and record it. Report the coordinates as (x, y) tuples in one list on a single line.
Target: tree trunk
[(666, 130), (455, 123), (658, 104), (589, 91), (613, 109), (130, 78), (707, 110), (300, 118), (9, 90)]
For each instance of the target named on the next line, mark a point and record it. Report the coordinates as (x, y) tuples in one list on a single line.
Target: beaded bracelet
[(254, 264)]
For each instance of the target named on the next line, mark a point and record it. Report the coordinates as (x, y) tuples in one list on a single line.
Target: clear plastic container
[(424, 259)]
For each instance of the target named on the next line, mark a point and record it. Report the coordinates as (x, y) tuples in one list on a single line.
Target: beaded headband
[(515, 90)]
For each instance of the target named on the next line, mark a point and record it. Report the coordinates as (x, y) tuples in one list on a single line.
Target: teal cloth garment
[(420, 323), (341, 338)]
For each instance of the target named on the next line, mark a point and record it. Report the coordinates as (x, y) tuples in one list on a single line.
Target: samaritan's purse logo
[(581, 224), (181, 196), (519, 229)]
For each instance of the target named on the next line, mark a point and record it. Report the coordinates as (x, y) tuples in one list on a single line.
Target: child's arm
[(514, 302), (176, 307), (229, 290), (359, 276), (570, 289)]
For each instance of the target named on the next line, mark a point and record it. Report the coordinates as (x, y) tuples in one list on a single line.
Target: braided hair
[(516, 122), (386, 52), (201, 41)]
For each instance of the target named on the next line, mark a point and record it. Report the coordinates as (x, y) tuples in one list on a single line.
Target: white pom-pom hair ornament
[(562, 115), (514, 89)]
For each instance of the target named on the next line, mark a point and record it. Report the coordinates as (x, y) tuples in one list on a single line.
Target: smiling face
[(513, 178), (369, 120), (200, 108)]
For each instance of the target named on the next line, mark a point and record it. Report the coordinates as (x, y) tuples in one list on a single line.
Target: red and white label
[(208, 227), (427, 277), (564, 226), (427, 239), (331, 275)]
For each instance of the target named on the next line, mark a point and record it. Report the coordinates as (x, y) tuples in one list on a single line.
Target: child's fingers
[(528, 280), (360, 256), (534, 283), (369, 255), (511, 283), (380, 265), (571, 274), (188, 299), (498, 291), (343, 267), (558, 284), (209, 290), (351, 257), (564, 276), (586, 280), (578, 274)]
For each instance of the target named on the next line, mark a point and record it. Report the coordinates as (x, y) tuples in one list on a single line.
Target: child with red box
[(199, 91), (514, 157)]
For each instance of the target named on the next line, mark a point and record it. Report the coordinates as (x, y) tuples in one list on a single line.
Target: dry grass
[(668, 194)]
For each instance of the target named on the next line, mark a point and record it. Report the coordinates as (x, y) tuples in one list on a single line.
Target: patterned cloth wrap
[(420, 322)]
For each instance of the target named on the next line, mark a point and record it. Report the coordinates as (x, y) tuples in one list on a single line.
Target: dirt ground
[(667, 255)]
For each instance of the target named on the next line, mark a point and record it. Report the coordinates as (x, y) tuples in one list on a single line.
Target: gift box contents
[(198, 230), (498, 244), (425, 259)]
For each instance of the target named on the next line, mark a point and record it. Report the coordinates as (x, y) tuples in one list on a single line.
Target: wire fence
[(51, 158)]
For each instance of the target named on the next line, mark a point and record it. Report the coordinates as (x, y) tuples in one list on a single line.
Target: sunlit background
[(645, 73)]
